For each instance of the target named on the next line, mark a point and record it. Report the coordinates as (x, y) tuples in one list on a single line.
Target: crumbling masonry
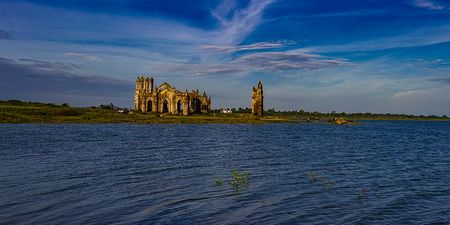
[(166, 99), (258, 100)]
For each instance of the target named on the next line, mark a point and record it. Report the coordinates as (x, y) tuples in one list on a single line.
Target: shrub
[(105, 107), (15, 102), (69, 112)]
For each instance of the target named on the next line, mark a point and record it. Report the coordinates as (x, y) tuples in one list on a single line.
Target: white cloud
[(280, 61), (410, 94), (242, 22), (443, 80), (271, 62), (223, 10), (345, 89), (250, 47), (422, 101), (428, 4), (82, 56)]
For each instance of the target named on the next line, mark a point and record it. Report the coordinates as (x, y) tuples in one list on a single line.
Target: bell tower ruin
[(144, 88), (258, 100)]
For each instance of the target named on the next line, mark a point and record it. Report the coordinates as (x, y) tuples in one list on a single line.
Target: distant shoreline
[(14, 111)]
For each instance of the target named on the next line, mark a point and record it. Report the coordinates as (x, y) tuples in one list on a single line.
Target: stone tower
[(258, 100), (144, 88)]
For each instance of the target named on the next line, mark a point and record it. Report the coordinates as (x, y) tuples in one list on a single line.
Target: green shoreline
[(14, 111)]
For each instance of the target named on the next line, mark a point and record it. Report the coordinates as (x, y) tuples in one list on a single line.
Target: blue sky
[(317, 55)]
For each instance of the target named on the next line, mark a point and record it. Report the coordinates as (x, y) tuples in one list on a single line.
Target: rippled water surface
[(374, 173)]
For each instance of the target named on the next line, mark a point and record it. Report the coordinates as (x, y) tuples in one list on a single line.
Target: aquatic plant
[(239, 179), (362, 193), (219, 181), (314, 176), (329, 184)]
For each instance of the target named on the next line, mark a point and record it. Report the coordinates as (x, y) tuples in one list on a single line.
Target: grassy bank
[(21, 112), (31, 112)]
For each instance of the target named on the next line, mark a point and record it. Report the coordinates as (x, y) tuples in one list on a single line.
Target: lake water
[(394, 172)]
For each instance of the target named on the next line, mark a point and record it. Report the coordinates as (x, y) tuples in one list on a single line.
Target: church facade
[(167, 99)]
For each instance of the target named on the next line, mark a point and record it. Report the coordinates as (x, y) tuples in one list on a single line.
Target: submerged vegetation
[(219, 181), (328, 185), (362, 193), (14, 111), (314, 176), (238, 179)]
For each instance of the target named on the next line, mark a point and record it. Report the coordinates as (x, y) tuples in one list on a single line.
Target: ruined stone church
[(167, 99), (258, 100)]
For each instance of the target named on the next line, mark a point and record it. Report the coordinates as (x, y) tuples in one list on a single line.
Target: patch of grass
[(69, 112), (22, 112), (15, 111)]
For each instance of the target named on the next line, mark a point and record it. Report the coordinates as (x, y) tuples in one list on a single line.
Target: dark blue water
[(374, 173)]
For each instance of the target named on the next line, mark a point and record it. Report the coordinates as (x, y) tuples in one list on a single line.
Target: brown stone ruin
[(258, 100), (167, 99)]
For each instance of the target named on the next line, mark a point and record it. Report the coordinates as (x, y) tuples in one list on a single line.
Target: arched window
[(196, 105), (149, 106), (179, 106), (165, 106)]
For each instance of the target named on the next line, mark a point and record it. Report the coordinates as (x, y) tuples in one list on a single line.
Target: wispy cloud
[(272, 62), (250, 47), (429, 4), (280, 61), (430, 101), (49, 66), (82, 56), (445, 80), (242, 21), (442, 62), (33, 80), (6, 35), (419, 37), (156, 40), (408, 94)]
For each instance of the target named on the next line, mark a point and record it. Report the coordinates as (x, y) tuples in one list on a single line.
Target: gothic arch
[(165, 106), (196, 105), (149, 106), (179, 106)]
